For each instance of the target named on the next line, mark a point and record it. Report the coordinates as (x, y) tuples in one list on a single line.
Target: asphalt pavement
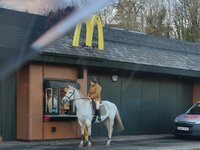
[(135, 142)]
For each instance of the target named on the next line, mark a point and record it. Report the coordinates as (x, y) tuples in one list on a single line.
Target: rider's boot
[(95, 116), (99, 115)]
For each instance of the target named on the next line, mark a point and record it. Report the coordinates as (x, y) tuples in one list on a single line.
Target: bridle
[(72, 94), (74, 99)]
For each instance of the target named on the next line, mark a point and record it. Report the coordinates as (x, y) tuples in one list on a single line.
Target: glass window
[(195, 109), (51, 100), (55, 90)]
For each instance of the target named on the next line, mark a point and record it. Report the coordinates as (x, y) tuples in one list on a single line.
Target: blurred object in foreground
[(14, 29)]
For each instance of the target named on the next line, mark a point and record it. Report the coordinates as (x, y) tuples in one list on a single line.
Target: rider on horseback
[(95, 94)]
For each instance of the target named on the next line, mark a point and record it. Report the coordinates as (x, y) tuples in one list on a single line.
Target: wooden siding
[(30, 125), (63, 130), (23, 124), (196, 92), (60, 72), (36, 101)]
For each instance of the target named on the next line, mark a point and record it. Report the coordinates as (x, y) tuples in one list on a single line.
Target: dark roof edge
[(116, 65)]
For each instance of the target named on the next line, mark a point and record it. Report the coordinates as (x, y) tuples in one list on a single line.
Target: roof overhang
[(95, 62)]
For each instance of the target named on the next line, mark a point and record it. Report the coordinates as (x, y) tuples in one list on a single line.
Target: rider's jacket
[(95, 92)]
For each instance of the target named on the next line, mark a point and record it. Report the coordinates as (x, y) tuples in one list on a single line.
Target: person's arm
[(97, 93)]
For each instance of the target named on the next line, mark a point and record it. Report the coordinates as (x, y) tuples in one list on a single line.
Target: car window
[(195, 109)]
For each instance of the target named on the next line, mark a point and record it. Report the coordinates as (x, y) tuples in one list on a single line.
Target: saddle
[(103, 112)]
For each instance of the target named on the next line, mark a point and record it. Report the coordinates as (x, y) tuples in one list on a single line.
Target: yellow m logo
[(90, 24)]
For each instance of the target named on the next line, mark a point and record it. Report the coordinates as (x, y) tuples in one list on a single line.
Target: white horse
[(85, 114)]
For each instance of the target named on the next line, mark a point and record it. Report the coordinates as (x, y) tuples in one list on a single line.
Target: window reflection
[(51, 101), (54, 93)]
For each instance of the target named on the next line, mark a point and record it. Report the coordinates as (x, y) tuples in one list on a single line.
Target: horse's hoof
[(81, 144), (89, 145), (108, 143)]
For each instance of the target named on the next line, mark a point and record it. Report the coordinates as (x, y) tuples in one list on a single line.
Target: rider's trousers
[(97, 105)]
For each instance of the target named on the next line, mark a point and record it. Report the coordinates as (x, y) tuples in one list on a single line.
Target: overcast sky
[(38, 6)]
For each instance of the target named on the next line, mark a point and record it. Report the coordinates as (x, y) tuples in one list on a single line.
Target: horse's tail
[(120, 126)]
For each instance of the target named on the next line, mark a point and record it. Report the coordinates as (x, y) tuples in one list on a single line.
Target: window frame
[(56, 84)]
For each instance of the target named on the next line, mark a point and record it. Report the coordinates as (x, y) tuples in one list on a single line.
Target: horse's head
[(70, 95)]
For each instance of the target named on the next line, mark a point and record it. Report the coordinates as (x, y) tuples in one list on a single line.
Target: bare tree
[(128, 12), (56, 16), (187, 19), (155, 20), (107, 15), (142, 15)]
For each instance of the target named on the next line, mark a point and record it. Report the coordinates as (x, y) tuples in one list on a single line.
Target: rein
[(78, 99), (75, 99)]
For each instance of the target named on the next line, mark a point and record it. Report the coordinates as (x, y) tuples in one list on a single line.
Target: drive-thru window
[(54, 108)]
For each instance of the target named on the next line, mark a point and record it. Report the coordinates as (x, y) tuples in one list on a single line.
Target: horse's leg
[(106, 123), (110, 131), (89, 127), (82, 133)]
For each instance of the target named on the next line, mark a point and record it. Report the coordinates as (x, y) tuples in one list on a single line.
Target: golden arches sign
[(90, 24)]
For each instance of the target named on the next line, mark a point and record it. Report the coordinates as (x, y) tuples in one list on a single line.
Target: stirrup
[(99, 119), (94, 119)]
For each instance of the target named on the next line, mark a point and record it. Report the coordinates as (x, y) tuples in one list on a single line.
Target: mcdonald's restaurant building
[(150, 79)]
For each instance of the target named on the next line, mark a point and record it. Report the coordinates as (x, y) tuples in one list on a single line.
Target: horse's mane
[(81, 95), (79, 92)]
